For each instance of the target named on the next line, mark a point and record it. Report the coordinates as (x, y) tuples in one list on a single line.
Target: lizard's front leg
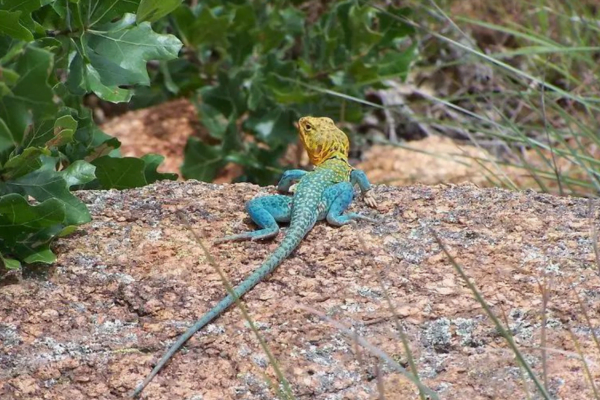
[(265, 211), (288, 178), (358, 177), (335, 201)]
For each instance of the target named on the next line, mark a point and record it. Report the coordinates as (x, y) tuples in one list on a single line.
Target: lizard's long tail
[(296, 232)]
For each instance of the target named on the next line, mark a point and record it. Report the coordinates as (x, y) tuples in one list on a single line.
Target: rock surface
[(130, 282), (399, 166)]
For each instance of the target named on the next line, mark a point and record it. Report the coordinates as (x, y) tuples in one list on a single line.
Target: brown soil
[(129, 283), (162, 129), (432, 160)]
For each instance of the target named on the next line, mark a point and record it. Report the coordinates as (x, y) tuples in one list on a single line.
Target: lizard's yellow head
[(322, 139)]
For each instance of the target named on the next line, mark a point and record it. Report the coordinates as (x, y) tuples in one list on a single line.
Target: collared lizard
[(324, 193)]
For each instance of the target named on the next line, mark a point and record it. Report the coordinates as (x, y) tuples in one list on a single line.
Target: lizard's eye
[(307, 127)]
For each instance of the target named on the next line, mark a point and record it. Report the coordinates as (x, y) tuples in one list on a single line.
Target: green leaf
[(25, 7), (66, 231), (397, 63), (129, 48), (8, 76), (243, 159), (206, 28), (293, 20), (47, 184), (150, 171), (116, 55), (260, 165), (361, 72), (78, 173), (26, 229), (241, 31), (17, 212), (226, 97), (201, 161), (90, 142), (9, 263), (105, 92), (120, 173), (212, 119), (394, 29), (184, 18), (32, 98), (168, 79), (84, 78), (153, 10), (275, 127), (244, 45), (280, 29), (244, 17), (7, 141), (4, 89), (256, 96), (42, 255), (64, 129), (363, 37), (283, 83), (24, 163), (51, 132), (10, 48), (91, 13), (232, 139), (10, 25)]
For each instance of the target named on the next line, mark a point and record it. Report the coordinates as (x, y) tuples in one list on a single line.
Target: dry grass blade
[(586, 368), (554, 165), (379, 379), (373, 350), (544, 290), (494, 319), (283, 392), (521, 372), (594, 233), (405, 344), (587, 318), (534, 81)]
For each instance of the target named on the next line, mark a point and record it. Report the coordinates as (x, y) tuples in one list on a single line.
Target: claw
[(230, 238), (370, 200), (222, 240), (366, 218)]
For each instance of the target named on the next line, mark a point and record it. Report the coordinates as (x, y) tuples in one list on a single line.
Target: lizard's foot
[(365, 218), (344, 219), (370, 200), (266, 233)]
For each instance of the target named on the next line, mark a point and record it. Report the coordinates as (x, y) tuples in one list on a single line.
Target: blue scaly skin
[(324, 193)]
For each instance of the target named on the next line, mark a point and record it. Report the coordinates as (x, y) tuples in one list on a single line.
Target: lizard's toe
[(370, 200)]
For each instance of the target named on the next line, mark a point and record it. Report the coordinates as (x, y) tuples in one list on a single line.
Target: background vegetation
[(255, 66), (528, 92), (521, 84)]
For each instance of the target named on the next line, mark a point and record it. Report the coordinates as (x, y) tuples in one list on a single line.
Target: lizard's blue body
[(324, 193)]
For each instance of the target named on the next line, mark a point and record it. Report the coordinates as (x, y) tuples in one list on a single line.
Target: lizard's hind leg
[(265, 211), (337, 199)]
